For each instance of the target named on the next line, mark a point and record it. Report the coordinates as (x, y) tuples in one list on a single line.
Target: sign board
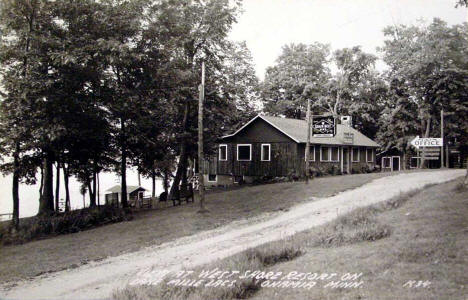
[(427, 142), (348, 138), (427, 157), (323, 126)]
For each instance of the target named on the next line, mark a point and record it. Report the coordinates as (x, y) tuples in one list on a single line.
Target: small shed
[(135, 194)]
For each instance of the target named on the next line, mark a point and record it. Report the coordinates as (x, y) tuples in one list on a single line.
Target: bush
[(62, 223)]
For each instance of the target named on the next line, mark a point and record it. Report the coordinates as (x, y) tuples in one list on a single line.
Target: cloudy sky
[(267, 25)]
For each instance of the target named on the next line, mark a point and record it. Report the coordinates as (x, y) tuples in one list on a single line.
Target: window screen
[(243, 152)]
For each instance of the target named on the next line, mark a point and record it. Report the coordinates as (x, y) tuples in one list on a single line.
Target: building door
[(395, 163), (346, 160)]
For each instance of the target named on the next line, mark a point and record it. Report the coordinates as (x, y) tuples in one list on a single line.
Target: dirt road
[(96, 280)]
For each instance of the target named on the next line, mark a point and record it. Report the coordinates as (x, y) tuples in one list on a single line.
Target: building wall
[(283, 160)]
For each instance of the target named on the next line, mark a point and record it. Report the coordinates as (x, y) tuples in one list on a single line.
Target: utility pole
[(307, 150), (442, 136), (201, 183)]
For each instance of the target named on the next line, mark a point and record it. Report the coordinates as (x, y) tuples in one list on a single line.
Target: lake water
[(29, 194)]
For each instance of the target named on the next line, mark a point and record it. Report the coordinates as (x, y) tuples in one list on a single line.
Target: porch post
[(341, 159)]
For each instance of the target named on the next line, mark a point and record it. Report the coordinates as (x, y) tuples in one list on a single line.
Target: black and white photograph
[(233, 149)]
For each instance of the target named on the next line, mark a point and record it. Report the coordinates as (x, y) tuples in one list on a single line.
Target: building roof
[(130, 189), (297, 130)]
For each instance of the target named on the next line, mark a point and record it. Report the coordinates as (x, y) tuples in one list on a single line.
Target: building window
[(386, 162), (369, 155), (223, 152), (244, 152), (414, 163), (324, 154), (311, 153), (212, 178), (266, 152), (335, 152), (355, 154)]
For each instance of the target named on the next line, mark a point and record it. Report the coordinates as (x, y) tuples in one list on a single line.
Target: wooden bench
[(185, 192)]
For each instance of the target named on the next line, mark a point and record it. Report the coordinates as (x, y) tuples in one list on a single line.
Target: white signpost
[(427, 142)]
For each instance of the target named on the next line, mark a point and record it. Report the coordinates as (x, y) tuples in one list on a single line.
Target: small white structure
[(135, 195)]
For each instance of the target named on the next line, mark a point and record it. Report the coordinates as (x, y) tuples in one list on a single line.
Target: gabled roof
[(297, 130), (130, 189)]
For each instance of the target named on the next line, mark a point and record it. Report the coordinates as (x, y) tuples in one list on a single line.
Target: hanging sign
[(323, 126)]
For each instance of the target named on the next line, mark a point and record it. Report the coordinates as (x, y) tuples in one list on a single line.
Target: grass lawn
[(428, 243), (410, 247), (159, 226)]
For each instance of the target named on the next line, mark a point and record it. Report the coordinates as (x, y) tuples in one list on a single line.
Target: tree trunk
[(67, 190), (153, 181), (46, 205), (98, 191), (15, 188), (404, 159), (166, 181), (90, 191), (139, 177), (466, 175), (123, 166), (57, 187), (92, 200), (182, 164), (41, 186)]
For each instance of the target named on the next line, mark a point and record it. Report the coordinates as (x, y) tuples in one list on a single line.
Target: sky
[(267, 25)]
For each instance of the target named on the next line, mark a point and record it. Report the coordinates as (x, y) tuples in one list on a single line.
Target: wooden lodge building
[(275, 147)]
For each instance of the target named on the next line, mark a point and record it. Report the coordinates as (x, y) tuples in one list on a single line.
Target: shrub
[(62, 223)]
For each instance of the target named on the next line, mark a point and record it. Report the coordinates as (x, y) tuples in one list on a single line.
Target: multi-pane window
[(222, 152), (265, 153), (355, 154), (244, 152), (329, 154)]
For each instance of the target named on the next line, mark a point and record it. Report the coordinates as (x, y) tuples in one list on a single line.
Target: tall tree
[(287, 85), (429, 61)]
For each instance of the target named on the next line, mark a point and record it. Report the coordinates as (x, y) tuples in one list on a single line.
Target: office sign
[(427, 142), (323, 126)]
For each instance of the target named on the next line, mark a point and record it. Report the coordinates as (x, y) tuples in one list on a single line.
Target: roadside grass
[(155, 227), (252, 259), (427, 243), (357, 226)]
